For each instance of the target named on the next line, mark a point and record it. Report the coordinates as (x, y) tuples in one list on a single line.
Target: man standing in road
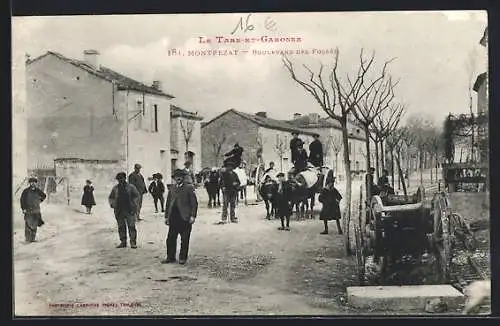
[(123, 199), (157, 189), (180, 214), (31, 197), (230, 185), (137, 180)]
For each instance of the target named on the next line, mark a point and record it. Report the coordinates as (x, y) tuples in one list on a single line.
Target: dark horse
[(268, 190), (304, 197), (211, 182)]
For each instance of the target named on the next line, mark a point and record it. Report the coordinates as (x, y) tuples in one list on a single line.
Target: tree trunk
[(421, 167), (382, 156), (437, 163), (431, 170), (392, 166), (377, 156), (347, 168), (368, 161), (336, 163), (400, 176)]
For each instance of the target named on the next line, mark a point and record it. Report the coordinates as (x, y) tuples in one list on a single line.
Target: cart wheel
[(360, 258), (441, 236)]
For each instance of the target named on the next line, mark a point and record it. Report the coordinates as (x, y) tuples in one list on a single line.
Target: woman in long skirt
[(330, 198), (88, 199)]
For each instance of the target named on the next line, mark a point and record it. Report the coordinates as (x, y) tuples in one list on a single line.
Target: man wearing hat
[(233, 157), (123, 199), (283, 201), (31, 197), (300, 163), (316, 152), (294, 145), (157, 189), (180, 214), (137, 180)]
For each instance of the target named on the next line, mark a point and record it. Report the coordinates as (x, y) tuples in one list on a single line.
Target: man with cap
[(294, 145), (283, 201), (31, 197), (316, 152), (123, 199), (180, 214), (233, 157), (137, 180), (157, 189)]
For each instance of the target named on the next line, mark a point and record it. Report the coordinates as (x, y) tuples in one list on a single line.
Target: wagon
[(392, 228)]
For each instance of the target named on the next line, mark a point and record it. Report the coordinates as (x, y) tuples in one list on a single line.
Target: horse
[(211, 183), (268, 190), (305, 185)]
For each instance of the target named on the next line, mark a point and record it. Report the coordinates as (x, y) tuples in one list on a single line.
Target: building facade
[(79, 109), (185, 136), (273, 138)]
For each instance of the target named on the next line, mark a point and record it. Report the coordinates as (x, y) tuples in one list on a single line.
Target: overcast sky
[(432, 51)]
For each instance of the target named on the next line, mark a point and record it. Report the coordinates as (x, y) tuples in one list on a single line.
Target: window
[(155, 118), (350, 148)]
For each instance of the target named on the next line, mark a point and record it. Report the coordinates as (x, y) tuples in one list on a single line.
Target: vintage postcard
[(310, 164)]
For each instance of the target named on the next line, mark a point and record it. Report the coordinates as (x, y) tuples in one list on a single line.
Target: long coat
[(31, 199), (88, 199), (294, 145), (330, 198), (184, 197), (300, 163), (156, 189), (137, 180), (316, 153), (133, 196), (283, 199)]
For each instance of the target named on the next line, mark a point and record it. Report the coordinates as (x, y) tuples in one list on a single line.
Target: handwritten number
[(247, 27)]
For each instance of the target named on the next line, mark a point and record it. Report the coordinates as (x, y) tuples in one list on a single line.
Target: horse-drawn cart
[(395, 228)]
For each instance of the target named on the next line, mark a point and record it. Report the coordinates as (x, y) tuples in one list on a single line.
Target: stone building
[(83, 112), (251, 131)]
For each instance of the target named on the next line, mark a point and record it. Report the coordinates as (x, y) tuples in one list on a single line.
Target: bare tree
[(280, 148), (375, 102), (395, 144), (382, 126), (217, 142), (338, 101), (334, 143), (187, 131), (471, 64)]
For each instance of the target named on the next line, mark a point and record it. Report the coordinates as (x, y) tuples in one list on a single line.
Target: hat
[(159, 175), (295, 132), (179, 173), (88, 181), (316, 135), (32, 179), (281, 174), (121, 176), (137, 166)]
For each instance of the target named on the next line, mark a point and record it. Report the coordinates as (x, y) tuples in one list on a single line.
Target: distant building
[(330, 132), (252, 132), (185, 136), (86, 113)]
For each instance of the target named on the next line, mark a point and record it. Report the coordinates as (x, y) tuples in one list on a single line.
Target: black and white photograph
[(251, 164)]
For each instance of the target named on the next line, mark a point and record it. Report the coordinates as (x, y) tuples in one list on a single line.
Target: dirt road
[(245, 268)]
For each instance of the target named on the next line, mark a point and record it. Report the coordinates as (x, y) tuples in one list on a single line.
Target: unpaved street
[(244, 268)]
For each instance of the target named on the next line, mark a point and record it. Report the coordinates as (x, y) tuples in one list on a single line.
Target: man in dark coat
[(370, 183), (283, 202), (157, 189), (137, 180), (123, 199), (230, 185), (300, 163), (31, 197), (294, 145), (233, 157), (182, 208), (316, 152)]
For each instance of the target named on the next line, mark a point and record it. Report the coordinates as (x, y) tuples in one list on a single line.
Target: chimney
[(156, 85), (91, 57), (261, 114), (296, 115)]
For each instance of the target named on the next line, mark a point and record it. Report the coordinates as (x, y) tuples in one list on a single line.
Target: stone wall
[(76, 171)]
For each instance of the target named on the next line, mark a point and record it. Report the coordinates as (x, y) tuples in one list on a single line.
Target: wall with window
[(148, 134), (181, 127)]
